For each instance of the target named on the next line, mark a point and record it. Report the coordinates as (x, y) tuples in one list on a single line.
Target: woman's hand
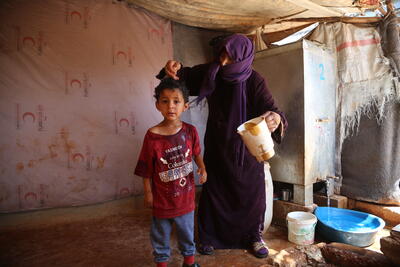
[(273, 120), (171, 69), (203, 175)]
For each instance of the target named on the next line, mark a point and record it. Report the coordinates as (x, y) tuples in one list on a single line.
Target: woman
[(232, 203)]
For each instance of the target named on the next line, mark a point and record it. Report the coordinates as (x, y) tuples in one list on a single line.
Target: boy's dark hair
[(169, 83)]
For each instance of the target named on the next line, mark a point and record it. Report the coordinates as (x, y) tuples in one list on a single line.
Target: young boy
[(165, 163)]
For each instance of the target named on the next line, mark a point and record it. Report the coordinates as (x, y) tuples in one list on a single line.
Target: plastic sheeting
[(367, 113), (246, 16), (375, 166), (365, 79), (76, 97), (370, 159)]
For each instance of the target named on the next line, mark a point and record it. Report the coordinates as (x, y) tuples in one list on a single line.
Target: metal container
[(302, 80), (286, 194)]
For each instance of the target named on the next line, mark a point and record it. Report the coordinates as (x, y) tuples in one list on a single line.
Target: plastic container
[(348, 226), (301, 227), (269, 193), (257, 138), (286, 194)]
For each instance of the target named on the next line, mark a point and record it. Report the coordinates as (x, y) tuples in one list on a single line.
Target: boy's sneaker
[(260, 249), (206, 249), (192, 265)]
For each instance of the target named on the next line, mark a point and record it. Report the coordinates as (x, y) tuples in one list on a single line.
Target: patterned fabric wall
[(76, 86)]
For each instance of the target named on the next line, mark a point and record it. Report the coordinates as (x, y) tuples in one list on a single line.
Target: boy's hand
[(171, 69), (148, 200), (203, 175)]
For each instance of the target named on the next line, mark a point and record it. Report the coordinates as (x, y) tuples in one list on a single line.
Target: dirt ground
[(98, 236), (111, 234), (108, 241)]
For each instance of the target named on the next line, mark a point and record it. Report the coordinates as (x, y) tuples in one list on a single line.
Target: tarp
[(370, 159), (246, 16), (366, 84), (76, 97), (365, 78)]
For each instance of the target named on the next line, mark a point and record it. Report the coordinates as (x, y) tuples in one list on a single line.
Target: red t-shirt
[(167, 160)]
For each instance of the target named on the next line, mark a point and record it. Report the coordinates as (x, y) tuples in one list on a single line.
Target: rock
[(300, 256), (290, 257), (313, 253), (395, 232), (390, 246), (351, 256)]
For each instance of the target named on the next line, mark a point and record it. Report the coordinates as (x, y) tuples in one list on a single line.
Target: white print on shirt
[(176, 173), (172, 149), (177, 170), (182, 182), (163, 161)]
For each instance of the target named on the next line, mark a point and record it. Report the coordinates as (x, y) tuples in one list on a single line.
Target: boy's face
[(171, 104)]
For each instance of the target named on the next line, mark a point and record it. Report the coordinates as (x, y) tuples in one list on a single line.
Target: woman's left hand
[(273, 120)]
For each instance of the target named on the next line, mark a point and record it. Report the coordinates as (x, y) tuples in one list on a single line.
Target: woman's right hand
[(171, 69)]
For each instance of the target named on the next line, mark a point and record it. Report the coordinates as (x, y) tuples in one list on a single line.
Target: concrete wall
[(190, 47), (191, 44)]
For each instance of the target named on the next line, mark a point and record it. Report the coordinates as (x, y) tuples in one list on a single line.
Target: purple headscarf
[(241, 51)]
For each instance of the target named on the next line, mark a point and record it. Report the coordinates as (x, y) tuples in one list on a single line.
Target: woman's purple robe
[(232, 203)]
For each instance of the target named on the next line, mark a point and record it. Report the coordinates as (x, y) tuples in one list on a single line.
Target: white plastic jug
[(257, 138)]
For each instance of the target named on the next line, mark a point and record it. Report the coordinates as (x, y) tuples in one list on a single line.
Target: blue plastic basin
[(348, 226)]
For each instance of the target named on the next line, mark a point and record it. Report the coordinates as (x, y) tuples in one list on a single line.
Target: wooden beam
[(307, 4), (356, 20), (277, 35), (272, 37), (389, 5), (381, 10), (283, 25)]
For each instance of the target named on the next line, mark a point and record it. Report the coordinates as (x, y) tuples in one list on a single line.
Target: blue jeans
[(161, 231)]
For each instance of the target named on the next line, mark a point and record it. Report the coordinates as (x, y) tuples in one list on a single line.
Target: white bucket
[(257, 138), (301, 227)]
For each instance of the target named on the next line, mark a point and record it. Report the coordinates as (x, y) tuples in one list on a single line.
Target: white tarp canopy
[(246, 16)]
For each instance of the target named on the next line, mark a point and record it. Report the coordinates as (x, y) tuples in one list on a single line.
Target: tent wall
[(76, 86), (370, 159), (368, 90)]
